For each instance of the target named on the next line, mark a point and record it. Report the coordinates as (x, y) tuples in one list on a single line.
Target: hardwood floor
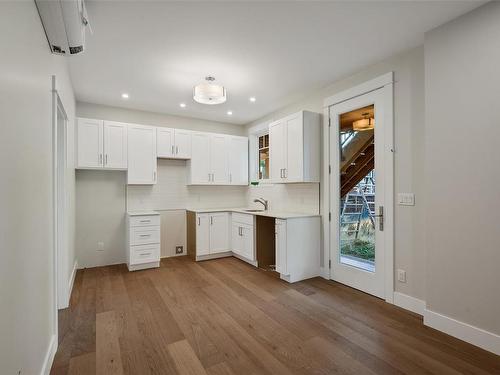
[(225, 317)]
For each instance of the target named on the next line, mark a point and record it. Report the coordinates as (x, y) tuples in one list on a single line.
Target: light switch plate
[(406, 199), (401, 276)]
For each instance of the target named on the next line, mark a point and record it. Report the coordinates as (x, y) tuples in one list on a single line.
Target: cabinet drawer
[(242, 218), (144, 254), (144, 221), (144, 235)]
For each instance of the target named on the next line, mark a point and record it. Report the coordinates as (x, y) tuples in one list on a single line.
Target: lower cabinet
[(243, 236), (143, 240), (297, 248), (212, 233)]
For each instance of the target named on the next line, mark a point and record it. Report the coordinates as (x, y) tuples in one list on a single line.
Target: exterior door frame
[(385, 83)]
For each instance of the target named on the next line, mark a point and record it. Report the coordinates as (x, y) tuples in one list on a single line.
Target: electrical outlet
[(179, 249), (100, 246), (406, 199), (402, 276)]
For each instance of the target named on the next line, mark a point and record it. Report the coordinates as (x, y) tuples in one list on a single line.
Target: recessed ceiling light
[(252, 99), (182, 105), (229, 113), (124, 95)]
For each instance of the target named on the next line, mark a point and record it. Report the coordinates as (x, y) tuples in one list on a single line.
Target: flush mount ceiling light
[(367, 123), (124, 95), (209, 93), (229, 113), (182, 105), (252, 99)]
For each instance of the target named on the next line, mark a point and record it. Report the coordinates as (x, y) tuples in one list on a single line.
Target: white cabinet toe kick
[(290, 246)]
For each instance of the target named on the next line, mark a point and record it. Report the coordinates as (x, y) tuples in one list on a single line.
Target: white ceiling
[(276, 51)]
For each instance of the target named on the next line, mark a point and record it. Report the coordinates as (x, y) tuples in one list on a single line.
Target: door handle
[(380, 217)]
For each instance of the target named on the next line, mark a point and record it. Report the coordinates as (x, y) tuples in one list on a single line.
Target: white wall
[(104, 195), (26, 221), (462, 60), (408, 69)]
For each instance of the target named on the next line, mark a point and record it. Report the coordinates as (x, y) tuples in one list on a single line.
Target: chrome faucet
[(261, 201)]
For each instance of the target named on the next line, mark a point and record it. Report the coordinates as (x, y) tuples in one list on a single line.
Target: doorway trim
[(60, 239), (386, 83)]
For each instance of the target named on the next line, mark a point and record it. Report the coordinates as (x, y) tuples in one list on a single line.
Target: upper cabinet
[(173, 143), (101, 144), (141, 155), (237, 156), (294, 144), (218, 159)]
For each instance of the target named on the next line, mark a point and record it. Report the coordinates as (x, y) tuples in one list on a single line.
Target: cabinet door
[(90, 143), (236, 239), (182, 144), (248, 243), (200, 159), (141, 155), (281, 253), (165, 142), (238, 160), (218, 159), (277, 150), (115, 145), (294, 166), (202, 234), (219, 232)]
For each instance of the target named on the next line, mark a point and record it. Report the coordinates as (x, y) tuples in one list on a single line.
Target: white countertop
[(142, 213), (270, 213)]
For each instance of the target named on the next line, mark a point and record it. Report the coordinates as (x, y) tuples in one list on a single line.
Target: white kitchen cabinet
[(115, 145), (280, 232), (237, 160), (202, 234), (182, 144), (242, 240), (165, 142), (219, 232), (173, 143), (101, 144), (90, 143), (212, 234), (199, 165), (143, 240), (295, 147), (297, 248), (141, 155), (218, 159)]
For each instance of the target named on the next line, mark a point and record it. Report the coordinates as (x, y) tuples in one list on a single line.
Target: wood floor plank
[(108, 356), (224, 317), (185, 359), (83, 365)]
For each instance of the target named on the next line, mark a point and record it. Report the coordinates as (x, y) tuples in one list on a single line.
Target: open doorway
[(59, 149)]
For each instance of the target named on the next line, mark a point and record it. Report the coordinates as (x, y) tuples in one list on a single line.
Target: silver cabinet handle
[(142, 254), (176, 150), (211, 220), (230, 177), (199, 222), (209, 177), (100, 159), (154, 175), (281, 173), (106, 162), (172, 149), (144, 235), (145, 221)]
